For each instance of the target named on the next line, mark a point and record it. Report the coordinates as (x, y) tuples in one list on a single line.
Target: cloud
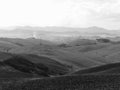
[(94, 12), (69, 13), (102, 8)]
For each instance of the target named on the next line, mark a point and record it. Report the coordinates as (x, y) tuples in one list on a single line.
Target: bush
[(63, 45), (103, 40)]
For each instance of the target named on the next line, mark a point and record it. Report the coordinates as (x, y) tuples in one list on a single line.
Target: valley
[(71, 64)]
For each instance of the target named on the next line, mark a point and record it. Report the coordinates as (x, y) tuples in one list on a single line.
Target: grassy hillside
[(76, 59), (86, 82), (85, 54), (30, 65), (113, 68), (35, 64), (9, 72), (41, 47), (79, 42)]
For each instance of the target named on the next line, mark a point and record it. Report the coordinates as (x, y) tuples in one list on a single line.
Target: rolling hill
[(79, 82), (49, 49), (38, 64), (31, 65), (58, 34), (81, 54), (113, 68)]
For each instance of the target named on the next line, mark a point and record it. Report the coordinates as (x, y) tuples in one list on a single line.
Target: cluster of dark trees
[(103, 40)]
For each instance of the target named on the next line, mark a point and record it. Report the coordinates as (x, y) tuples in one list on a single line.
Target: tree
[(103, 40), (63, 45)]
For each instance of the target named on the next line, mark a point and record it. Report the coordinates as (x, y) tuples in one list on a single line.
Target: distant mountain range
[(58, 34)]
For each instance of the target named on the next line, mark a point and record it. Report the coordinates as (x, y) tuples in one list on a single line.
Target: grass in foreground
[(83, 82)]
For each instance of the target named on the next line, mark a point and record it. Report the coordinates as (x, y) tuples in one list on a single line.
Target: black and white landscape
[(34, 58), (59, 44)]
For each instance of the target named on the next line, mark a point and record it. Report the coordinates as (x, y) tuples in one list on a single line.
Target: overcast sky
[(68, 13)]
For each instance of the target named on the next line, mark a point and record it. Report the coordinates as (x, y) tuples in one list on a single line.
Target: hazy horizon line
[(31, 26)]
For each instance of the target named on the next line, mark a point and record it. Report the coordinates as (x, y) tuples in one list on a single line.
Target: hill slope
[(31, 65), (113, 68)]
